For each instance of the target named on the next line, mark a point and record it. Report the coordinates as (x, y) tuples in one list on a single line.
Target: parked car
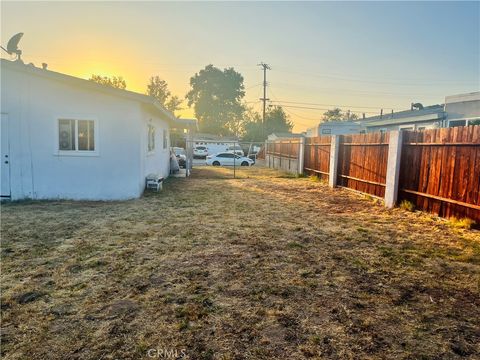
[(228, 159), (237, 149), (200, 151), (181, 156)]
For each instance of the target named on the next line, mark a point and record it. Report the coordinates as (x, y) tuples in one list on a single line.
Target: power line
[(340, 106), (253, 86), (358, 92), (294, 114), (401, 82), (324, 109)]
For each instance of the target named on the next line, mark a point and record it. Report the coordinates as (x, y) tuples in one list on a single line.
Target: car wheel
[(245, 163), (216, 163)]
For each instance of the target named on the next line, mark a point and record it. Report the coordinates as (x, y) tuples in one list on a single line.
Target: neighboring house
[(214, 144), (463, 109), (286, 135), (429, 117), (334, 128), (70, 138)]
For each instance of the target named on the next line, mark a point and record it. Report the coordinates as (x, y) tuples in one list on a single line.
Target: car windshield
[(201, 147), (179, 151)]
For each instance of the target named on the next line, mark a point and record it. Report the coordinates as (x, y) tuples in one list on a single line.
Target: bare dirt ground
[(262, 267)]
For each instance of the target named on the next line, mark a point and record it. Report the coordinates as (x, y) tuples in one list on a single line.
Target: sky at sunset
[(363, 56)]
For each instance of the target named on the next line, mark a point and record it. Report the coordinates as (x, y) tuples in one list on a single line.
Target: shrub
[(407, 205)]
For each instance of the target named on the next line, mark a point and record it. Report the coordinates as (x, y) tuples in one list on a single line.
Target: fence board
[(283, 154), (317, 156), (362, 162), (440, 171)]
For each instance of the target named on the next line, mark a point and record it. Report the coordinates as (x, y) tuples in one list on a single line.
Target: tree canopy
[(114, 81), (216, 96), (337, 114), (276, 121), (158, 88)]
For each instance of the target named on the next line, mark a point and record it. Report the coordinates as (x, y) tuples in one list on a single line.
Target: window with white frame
[(165, 139), (76, 135), (151, 138)]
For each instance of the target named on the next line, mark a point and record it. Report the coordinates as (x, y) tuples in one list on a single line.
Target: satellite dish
[(12, 46)]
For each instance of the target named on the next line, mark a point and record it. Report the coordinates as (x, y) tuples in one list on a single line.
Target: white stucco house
[(334, 128), (64, 137), (463, 109)]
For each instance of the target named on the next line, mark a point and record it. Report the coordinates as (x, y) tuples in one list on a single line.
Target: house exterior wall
[(214, 146), (158, 160), (338, 129), (463, 107), (419, 125), (34, 104), (334, 128)]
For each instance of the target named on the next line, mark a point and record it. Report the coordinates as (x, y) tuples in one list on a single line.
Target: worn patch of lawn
[(259, 267)]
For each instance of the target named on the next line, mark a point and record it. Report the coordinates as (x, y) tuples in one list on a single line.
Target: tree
[(337, 115), (158, 88), (173, 104), (216, 97), (252, 126), (276, 121), (114, 81)]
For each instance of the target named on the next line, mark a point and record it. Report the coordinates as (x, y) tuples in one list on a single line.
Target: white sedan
[(228, 159)]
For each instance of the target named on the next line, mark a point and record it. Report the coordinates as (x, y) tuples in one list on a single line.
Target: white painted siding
[(34, 104), (158, 161)]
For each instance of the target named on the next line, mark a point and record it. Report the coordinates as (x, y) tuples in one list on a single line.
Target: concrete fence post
[(333, 169), (393, 168), (301, 155)]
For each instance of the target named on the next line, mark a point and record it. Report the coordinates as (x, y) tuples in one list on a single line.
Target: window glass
[(66, 134), (457, 123), (86, 135), (165, 139)]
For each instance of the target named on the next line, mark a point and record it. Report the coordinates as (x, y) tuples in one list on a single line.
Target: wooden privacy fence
[(362, 162), (285, 154), (440, 171), (317, 156)]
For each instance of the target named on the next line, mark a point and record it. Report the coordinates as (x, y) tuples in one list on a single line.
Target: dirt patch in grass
[(259, 267)]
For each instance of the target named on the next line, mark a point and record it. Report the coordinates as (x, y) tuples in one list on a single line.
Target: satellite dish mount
[(12, 46)]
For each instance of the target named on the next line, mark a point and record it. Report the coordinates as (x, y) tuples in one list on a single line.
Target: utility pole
[(265, 67)]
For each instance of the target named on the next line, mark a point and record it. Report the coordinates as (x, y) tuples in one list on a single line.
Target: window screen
[(66, 134)]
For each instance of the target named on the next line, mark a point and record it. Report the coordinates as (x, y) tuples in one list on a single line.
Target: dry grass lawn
[(262, 267)]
